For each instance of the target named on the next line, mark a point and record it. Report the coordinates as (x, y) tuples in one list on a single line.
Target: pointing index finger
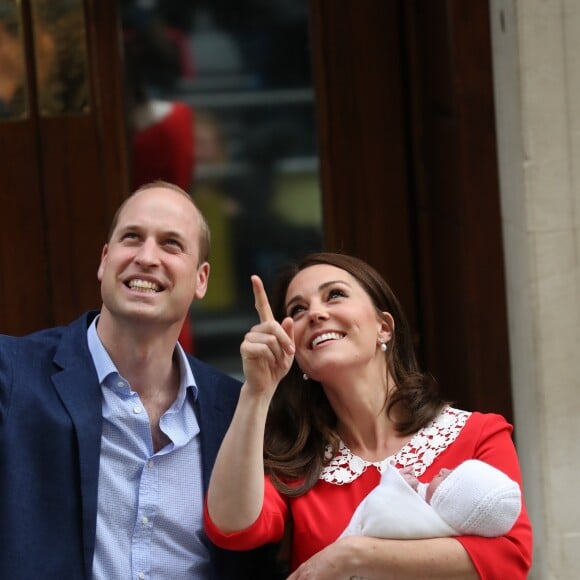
[(261, 300)]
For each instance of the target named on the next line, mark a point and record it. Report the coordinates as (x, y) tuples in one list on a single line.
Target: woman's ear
[(387, 327)]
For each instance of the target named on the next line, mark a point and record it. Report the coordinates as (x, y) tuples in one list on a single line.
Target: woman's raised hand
[(268, 348)]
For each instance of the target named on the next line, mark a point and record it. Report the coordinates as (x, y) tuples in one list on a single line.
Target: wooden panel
[(61, 180), (25, 291), (461, 253), (105, 48), (84, 172), (77, 219), (357, 65), (409, 175)]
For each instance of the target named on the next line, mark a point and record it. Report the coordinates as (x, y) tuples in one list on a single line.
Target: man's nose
[(148, 253)]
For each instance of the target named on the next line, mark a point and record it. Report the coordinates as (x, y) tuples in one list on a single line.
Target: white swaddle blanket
[(394, 510)]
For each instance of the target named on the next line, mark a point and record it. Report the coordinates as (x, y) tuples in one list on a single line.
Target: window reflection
[(13, 97), (59, 36), (220, 101)]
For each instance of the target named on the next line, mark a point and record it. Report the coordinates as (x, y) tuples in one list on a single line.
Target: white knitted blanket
[(394, 510)]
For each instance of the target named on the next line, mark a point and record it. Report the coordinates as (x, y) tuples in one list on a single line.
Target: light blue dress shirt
[(149, 518)]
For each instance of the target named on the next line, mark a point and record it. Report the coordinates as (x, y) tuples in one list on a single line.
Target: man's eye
[(129, 236), (173, 243)]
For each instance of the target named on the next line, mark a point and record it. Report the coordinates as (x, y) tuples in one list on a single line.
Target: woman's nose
[(318, 313)]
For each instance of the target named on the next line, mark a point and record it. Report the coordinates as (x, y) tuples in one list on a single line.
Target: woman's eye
[(336, 293), (295, 311)]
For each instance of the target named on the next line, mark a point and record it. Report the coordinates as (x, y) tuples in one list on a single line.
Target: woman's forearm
[(236, 491), (443, 558), (369, 558)]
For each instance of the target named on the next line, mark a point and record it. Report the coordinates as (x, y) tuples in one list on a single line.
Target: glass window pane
[(13, 94), (60, 48), (220, 101)]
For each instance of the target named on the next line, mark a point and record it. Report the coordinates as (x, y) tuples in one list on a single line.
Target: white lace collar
[(420, 451)]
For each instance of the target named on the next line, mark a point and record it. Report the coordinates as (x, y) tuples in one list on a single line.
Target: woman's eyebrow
[(323, 286), (333, 282)]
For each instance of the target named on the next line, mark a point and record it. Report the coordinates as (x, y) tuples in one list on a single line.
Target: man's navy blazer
[(50, 440)]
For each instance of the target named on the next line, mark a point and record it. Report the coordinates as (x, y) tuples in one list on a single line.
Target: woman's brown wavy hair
[(301, 422)]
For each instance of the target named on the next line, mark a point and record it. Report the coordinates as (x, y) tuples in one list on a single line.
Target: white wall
[(536, 54)]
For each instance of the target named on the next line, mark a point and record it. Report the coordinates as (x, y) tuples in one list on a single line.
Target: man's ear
[(102, 263), (202, 280)]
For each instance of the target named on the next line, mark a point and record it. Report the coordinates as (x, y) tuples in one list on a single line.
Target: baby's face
[(435, 482)]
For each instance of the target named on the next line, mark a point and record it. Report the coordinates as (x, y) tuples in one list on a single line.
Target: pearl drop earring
[(304, 377), (384, 346)]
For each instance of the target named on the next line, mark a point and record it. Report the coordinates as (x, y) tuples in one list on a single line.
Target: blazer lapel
[(216, 401), (78, 387)]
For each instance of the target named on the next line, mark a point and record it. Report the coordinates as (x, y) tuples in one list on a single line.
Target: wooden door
[(62, 167)]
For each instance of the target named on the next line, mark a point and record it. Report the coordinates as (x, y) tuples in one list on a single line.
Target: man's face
[(149, 270)]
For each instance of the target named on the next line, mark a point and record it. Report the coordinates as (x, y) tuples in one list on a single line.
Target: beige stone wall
[(536, 52)]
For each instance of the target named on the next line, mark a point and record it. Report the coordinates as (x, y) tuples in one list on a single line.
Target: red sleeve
[(488, 437), (268, 528)]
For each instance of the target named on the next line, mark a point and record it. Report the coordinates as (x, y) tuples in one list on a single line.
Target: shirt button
[(141, 575), (137, 410), (120, 384), (144, 520), (150, 463)]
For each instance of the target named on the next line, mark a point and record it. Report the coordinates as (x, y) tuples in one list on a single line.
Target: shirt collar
[(105, 367)]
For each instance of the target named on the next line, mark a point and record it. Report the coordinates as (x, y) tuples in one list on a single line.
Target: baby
[(472, 499)]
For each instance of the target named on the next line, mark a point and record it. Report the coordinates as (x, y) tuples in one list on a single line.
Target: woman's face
[(336, 325)]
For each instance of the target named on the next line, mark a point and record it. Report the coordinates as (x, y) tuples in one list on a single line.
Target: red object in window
[(186, 337)]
